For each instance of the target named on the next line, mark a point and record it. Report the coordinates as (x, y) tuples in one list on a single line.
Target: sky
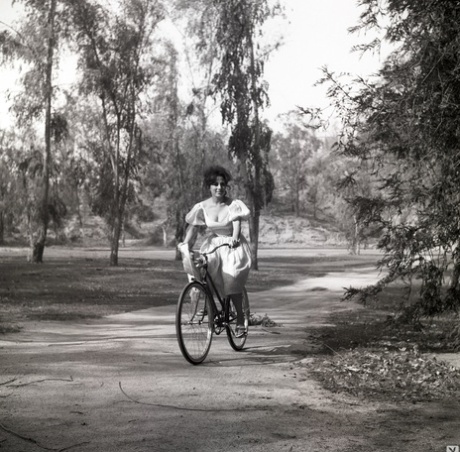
[(314, 34)]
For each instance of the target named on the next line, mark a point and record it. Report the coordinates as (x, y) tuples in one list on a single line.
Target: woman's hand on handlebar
[(234, 243), (199, 260)]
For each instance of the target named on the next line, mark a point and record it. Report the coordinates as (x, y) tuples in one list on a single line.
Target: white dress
[(228, 267)]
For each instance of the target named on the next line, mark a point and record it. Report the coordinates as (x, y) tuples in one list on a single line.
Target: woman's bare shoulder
[(206, 202)]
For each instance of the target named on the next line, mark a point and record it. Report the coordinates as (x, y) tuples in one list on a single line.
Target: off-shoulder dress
[(229, 267)]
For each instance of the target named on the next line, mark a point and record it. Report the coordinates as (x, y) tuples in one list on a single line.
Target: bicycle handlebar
[(206, 254), (215, 249)]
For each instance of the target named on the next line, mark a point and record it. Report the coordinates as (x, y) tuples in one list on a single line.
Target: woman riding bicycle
[(229, 266)]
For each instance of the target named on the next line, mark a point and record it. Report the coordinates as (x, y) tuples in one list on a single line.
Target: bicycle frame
[(210, 287)]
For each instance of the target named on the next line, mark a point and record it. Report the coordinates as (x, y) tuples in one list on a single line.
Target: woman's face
[(219, 187)]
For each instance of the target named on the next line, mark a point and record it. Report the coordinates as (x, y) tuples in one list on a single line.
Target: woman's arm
[(236, 232), (190, 236)]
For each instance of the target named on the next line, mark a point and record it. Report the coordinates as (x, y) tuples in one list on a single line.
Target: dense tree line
[(121, 136), (403, 126)]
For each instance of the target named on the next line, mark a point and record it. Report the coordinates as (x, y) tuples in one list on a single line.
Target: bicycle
[(198, 316)]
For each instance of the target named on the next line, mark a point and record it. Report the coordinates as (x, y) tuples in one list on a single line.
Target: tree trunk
[(37, 252), (455, 277), (254, 222), (39, 241), (115, 242), (165, 236), (356, 245), (297, 202), (180, 233), (454, 281), (257, 190), (2, 228)]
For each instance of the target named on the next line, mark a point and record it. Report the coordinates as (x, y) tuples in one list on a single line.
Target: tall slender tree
[(39, 245), (115, 45), (35, 43)]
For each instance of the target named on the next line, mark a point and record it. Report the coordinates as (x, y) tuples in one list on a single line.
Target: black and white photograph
[(230, 225)]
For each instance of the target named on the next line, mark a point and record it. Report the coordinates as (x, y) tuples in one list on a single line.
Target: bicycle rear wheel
[(194, 322), (237, 343)]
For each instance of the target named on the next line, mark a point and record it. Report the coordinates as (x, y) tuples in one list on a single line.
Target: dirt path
[(120, 384)]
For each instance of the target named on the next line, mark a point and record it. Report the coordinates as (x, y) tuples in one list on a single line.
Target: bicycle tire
[(237, 343), (194, 327)]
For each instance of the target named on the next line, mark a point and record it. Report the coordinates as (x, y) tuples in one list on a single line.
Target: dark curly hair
[(213, 172)]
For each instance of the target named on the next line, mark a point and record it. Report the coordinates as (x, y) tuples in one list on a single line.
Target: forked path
[(120, 384)]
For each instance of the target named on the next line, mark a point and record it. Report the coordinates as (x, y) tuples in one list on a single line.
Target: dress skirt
[(229, 267)]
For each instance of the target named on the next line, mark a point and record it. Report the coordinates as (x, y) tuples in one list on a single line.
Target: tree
[(318, 181), (229, 43), (183, 144), (238, 81), (200, 52), (35, 44), (175, 156), (11, 189), (293, 150), (356, 190), (405, 124), (189, 143), (115, 45)]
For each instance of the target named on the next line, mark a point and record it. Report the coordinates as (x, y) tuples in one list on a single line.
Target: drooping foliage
[(405, 124), (227, 37), (243, 93)]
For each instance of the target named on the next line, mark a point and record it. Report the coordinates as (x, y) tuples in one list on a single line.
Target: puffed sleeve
[(196, 216), (238, 210)]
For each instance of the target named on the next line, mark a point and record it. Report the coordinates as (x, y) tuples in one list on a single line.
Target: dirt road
[(121, 384)]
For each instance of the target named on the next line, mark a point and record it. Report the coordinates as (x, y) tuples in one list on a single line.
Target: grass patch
[(84, 288), (78, 288)]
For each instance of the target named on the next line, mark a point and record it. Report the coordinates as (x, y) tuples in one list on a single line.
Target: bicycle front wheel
[(194, 322), (237, 342)]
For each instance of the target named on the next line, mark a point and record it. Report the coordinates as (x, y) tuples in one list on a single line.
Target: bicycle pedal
[(240, 332)]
